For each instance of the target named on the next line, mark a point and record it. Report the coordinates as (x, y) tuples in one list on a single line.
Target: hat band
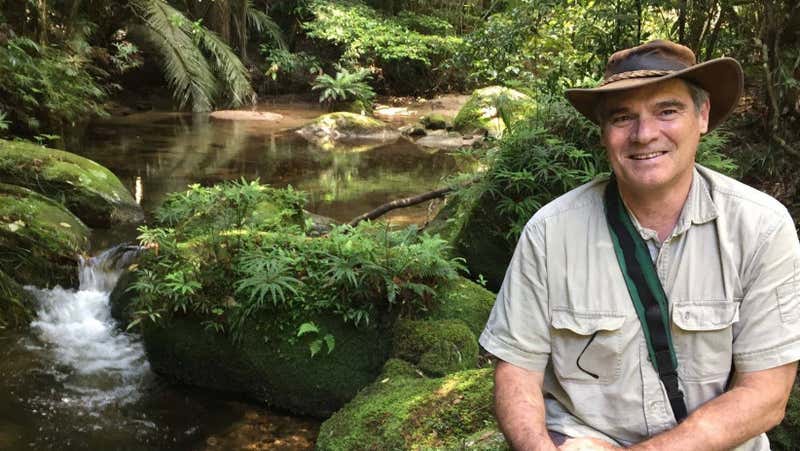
[(635, 74)]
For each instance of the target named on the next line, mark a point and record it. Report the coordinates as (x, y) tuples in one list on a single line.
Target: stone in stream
[(40, 240), (482, 112), (17, 306), (88, 189), (343, 129)]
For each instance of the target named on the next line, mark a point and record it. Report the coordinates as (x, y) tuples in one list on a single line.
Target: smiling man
[(658, 309)]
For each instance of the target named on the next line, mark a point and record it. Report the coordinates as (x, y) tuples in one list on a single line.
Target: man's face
[(651, 136)]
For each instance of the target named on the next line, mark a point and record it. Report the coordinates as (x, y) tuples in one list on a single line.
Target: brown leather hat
[(661, 60)]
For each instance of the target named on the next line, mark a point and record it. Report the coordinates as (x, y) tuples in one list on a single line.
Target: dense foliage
[(227, 252)]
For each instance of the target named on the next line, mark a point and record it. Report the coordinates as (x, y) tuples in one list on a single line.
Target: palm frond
[(234, 74), (262, 23), (189, 75)]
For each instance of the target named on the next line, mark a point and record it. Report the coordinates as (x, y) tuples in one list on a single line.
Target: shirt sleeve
[(518, 327), (767, 334)]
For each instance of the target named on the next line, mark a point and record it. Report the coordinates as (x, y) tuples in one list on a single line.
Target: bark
[(400, 203)]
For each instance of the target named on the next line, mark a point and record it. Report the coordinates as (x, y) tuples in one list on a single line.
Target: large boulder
[(40, 241), (403, 410), (17, 306), (437, 347), (488, 108), (265, 366), (343, 129), (89, 190)]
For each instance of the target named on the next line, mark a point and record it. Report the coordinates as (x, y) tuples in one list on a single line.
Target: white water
[(98, 363)]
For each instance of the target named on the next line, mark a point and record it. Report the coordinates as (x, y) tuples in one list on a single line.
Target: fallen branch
[(407, 202)]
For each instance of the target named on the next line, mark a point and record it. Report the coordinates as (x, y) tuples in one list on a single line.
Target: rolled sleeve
[(768, 332), (518, 327)]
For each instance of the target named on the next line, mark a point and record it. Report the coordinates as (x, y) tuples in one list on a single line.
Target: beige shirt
[(731, 272)]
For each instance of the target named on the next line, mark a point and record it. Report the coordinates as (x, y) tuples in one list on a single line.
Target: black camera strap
[(647, 295)]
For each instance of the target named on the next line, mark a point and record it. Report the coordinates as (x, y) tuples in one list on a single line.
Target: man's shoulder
[(588, 196), (732, 197)]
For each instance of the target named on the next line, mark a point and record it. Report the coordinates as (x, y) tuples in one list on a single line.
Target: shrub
[(346, 86)]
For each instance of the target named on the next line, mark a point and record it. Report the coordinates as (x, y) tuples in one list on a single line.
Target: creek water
[(75, 380)]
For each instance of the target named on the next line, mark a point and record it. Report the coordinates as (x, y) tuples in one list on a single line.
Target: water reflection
[(168, 153)]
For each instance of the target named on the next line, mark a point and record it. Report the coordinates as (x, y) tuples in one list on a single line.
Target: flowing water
[(75, 380)]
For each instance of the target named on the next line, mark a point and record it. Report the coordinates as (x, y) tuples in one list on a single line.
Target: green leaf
[(306, 328)]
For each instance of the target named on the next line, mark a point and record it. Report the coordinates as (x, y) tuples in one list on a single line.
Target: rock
[(40, 240), (467, 302), (241, 115), (441, 139), (387, 112), (266, 367), (89, 190), (329, 130), (437, 347), (482, 110), (17, 306), (414, 130), (434, 121), (402, 410)]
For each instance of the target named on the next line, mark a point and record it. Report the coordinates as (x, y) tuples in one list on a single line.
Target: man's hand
[(586, 444)]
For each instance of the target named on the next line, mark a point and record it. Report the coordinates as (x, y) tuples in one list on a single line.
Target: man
[(575, 368)]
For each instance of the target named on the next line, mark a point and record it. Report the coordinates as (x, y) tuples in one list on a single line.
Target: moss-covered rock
[(265, 366), (402, 410), (329, 130), (483, 110), (88, 189), (468, 302), (434, 121), (40, 240), (17, 306), (437, 347)]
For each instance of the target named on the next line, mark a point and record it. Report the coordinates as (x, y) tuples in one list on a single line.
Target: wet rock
[(403, 410), (330, 130), (389, 113), (414, 130), (481, 113), (240, 115), (40, 241), (441, 139), (89, 190), (17, 306), (434, 121)]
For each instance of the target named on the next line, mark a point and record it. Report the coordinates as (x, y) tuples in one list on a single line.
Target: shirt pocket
[(703, 338), (586, 346)]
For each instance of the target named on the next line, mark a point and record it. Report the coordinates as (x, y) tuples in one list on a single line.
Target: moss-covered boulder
[(88, 189), (265, 366), (339, 129), (434, 121), (17, 306), (403, 410), (486, 108), (467, 302), (40, 241), (437, 347)]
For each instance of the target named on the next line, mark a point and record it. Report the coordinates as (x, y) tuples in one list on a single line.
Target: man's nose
[(645, 129)]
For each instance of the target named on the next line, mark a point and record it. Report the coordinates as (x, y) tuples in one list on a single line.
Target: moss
[(266, 367), (40, 240), (401, 411), (17, 306), (438, 347), (88, 189), (466, 301), (786, 436), (480, 112), (349, 123), (434, 121)]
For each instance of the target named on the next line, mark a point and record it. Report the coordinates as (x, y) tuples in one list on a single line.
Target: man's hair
[(698, 94)]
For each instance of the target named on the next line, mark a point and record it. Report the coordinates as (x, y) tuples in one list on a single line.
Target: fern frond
[(234, 74), (262, 23)]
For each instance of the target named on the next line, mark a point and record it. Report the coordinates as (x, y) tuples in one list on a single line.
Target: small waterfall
[(97, 363)]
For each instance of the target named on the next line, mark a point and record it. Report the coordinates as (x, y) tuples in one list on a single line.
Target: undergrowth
[(226, 253)]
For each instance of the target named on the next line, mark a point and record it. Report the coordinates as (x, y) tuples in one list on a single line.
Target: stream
[(75, 380)]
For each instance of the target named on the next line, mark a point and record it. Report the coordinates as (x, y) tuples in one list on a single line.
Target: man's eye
[(669, 112), (620, 119)]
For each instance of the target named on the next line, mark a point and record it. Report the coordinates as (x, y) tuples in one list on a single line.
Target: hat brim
[(721, 77)]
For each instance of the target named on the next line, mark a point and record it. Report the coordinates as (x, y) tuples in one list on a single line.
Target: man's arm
[(756, 403), (519, 407)]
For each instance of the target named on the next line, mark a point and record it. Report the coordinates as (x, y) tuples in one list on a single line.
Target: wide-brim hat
[(660, 60)]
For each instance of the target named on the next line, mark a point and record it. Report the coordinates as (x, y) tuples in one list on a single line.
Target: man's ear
[(705, 109)]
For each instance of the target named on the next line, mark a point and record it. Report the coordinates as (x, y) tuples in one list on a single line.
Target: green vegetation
[(16, 304), (346, 86), (88, 189), (250, 238), (436, 347), (402, 410)]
